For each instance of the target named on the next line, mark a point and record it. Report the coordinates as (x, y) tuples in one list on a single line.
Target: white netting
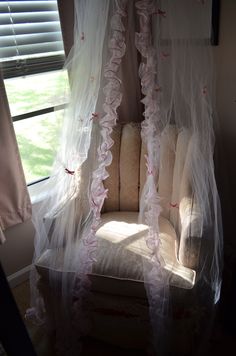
[(176, 82)]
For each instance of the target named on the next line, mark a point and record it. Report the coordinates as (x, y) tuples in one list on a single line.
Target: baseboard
[(19, 277)]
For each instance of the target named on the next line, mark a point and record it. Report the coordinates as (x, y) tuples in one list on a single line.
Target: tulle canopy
[(145, 61)]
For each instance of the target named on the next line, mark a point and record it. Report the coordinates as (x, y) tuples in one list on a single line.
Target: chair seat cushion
[(121, 254)]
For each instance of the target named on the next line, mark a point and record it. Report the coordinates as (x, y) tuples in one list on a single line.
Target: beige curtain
[(15, 205)]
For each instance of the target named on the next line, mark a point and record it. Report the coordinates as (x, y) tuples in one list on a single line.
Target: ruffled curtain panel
[(150, 62)]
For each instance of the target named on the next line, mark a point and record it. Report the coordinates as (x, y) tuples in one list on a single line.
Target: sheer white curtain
[(176, 79)]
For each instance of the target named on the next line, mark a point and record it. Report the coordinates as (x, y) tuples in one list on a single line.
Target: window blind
[(30, 37)]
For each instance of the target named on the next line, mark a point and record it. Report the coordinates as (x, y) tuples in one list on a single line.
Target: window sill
[(38, 191)]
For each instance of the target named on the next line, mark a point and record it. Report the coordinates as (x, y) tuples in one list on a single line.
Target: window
[(32, 59)]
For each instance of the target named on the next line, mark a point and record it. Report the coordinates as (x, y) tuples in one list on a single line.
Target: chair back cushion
[(128, 171), (130, 147), (112, 183), (180, 178), (124, 180), (167, 163)]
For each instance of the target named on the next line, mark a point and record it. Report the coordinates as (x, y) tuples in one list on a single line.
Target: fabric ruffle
[(113, 96), (155, 277)]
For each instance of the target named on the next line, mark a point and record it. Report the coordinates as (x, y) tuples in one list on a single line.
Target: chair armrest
[(190, 233)]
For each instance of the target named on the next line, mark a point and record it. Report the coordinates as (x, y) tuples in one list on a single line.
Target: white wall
[(16, 253), (225, 55)]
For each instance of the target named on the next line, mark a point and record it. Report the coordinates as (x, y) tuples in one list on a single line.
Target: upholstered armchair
[(119, 311)]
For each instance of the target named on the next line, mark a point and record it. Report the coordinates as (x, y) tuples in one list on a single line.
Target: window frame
[(37, 63), (33, 114)]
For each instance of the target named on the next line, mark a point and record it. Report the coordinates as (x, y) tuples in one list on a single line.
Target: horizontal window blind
[(30, 37)]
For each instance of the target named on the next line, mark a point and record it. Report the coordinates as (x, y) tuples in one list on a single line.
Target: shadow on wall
[(226, 178), (225, 54)]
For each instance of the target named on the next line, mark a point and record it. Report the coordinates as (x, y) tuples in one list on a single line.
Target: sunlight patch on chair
[(117, 231)]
